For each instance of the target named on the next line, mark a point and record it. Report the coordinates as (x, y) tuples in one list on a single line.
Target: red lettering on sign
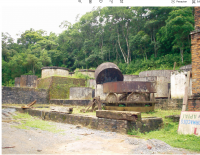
[(195, 131)]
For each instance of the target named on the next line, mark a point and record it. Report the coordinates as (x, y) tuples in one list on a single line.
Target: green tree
[(141, 43), (45, 59), (33, 63), (179, 25)]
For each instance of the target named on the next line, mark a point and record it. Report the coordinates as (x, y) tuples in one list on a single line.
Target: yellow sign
[(189, 123)]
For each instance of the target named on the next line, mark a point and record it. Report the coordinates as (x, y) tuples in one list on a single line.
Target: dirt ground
[(75, 140)]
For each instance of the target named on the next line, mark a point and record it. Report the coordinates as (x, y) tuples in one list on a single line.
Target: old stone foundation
[(169, 104), (120, 126)]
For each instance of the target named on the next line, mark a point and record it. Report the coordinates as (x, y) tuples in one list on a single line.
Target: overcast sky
[(21, 15), (18, 19)]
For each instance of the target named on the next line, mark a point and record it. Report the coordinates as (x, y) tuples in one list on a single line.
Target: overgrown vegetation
[(134, 38), (79, 75), (168, 133), (59, 86), (27, 122)]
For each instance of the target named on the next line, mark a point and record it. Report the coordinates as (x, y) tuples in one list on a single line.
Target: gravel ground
[(75, 140)]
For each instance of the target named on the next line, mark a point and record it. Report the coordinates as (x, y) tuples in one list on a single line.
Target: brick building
[(194, 101)]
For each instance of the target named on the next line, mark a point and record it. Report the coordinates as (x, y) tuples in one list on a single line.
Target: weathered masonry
[(121, 126), (26, 81), (19, 95), (194, 101)]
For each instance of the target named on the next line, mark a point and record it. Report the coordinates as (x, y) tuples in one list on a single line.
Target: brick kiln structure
[(194, 101)]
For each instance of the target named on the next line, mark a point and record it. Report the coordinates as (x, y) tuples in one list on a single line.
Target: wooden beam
[(98, 102), (119, 115), (138, 109), (174, 66), (187, 86), (29, 105), (89, 105)]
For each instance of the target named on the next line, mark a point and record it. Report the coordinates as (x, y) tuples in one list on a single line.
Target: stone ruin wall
[(194, 101), (195, 50)]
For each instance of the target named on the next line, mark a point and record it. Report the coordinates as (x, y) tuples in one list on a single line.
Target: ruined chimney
[(197, 17), (194, 100), (195, 50)]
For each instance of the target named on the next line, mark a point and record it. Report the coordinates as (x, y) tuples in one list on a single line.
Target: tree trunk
[(33, 70), (127, 44), (146, 55), (181, 52), (124, 55), (155, 50)]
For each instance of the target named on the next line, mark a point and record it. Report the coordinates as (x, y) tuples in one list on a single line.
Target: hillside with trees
[(134, 38)]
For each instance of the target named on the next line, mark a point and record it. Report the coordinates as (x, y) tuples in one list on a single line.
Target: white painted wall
[(99, 92), (178, 83), (162, 87)]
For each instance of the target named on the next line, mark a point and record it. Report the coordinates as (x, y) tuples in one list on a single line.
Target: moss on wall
[(44, 83), (59, 86)]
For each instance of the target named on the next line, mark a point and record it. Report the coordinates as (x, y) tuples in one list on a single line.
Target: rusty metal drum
[(108, 72), (120, 87)]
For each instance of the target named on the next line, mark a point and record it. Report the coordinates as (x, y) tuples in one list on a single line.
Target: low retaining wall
[(70, 102), (120, 126), (17, 95), (171, 104)]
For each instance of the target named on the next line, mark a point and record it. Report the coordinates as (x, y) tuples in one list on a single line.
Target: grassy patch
[(161, 113), (169, 132), (27, 122)]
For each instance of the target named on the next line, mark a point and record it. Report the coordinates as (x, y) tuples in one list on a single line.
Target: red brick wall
[(197, 18), (194, 104), (195, 50)]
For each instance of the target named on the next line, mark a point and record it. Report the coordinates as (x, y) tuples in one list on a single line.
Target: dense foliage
[(135, 38)]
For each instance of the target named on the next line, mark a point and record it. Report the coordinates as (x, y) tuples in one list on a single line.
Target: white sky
[(17, 16), (21, 18)]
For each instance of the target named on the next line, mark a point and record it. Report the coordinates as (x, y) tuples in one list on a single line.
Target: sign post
[(189, 123)]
